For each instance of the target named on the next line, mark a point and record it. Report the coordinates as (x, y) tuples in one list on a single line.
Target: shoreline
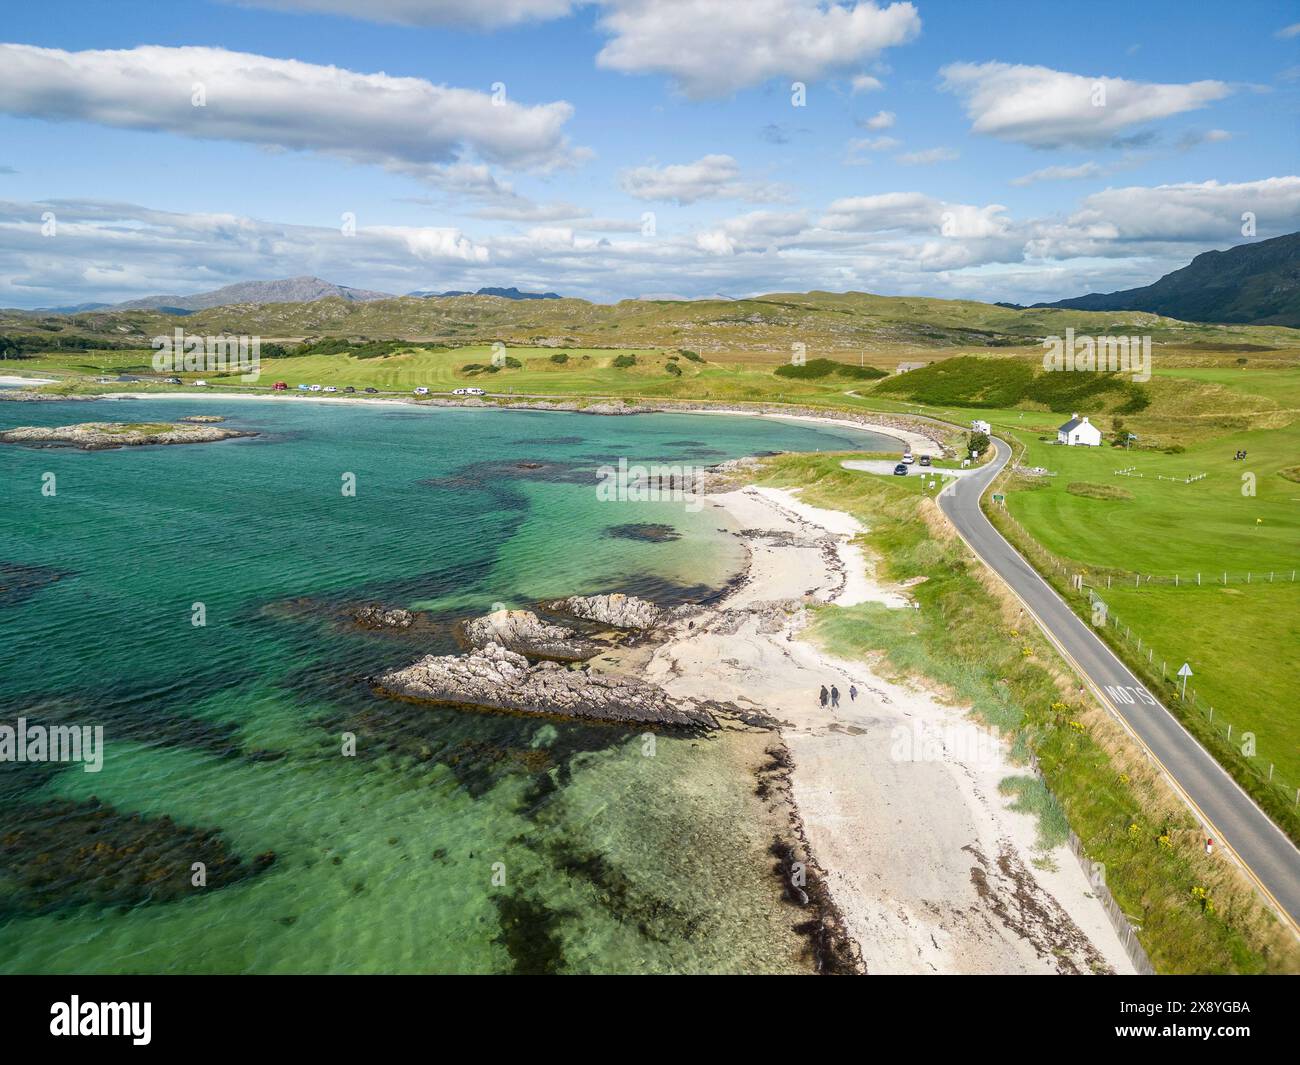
[(909, 434), (974, 893)]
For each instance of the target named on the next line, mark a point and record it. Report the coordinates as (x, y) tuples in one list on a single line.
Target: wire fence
[(1218, 722), (1085, 583), (1108, 577)]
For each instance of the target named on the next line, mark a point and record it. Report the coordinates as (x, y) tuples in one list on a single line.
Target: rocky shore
[(495, 678), (104, 436)]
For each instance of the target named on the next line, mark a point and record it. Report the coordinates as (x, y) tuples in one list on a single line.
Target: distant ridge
[(511, 293), (304, 289), (1251, 284)]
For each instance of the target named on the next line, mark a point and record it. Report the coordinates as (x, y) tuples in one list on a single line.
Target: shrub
[(814, 369), (674, 369), (560, 358), (622, 362), (694, 356)]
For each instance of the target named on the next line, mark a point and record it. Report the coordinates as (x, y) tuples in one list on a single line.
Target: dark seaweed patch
[(18, 583), (644, 531), (530, 934), (61, 854)]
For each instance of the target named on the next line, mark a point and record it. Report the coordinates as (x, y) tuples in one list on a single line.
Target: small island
[(102, 436)]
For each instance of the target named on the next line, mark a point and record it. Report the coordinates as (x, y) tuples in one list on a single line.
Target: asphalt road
[(1230, 816)]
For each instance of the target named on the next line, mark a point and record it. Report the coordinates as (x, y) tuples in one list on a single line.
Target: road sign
[(1184, 672), (998, 497)]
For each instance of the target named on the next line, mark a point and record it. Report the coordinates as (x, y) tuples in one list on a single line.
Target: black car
[(349, 389), (372, 390), (900, 470), (925, 460)]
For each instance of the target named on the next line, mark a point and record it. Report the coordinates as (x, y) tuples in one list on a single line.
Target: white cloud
[(903, 242), (405, 124), (458, 13), (1287, 32), (1111, 221), (880, 120), (710, 177), (929, 156), (1046, 108), (866, 83), (713, 48), (912, 212), (1059, 173)]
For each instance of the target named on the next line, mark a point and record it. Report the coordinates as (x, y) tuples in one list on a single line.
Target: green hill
[(1255, 283), (967, 381)]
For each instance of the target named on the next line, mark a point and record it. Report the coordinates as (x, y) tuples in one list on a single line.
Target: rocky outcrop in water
[(103, 436), (617, 610), (373, 616), (26, 395), (526, 634), (493, 677)]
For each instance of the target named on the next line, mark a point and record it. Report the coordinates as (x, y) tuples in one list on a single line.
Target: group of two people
[(833, 696)]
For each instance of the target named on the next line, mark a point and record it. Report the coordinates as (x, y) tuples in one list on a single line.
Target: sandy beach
[(897, 792)]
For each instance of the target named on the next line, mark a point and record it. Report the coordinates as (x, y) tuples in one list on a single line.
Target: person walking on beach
[(853, 692), (835, 696), (825, 695)]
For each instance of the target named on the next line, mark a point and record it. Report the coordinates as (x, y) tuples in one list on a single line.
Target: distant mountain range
[(505, 293), (286, 290), (1251, 284)]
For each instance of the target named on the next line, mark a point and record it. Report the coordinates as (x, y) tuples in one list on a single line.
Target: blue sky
[(986, 150)]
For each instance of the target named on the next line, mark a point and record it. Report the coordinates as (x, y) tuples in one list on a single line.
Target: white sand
[(917, 441), (10, 379), (903, 841)]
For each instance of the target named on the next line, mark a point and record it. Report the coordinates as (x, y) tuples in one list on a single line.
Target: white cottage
[(1079, 431)]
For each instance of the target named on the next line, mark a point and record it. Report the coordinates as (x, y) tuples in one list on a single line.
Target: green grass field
[(1242, 517)]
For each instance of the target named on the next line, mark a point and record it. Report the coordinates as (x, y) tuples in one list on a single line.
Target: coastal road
[(1229, 815)]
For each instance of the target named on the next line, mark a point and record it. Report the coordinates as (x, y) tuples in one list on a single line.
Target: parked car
[(900, 470), (422, 391), (907, 458), (279, 386), (330, 388), (349, 389), (925, 460), (201, 384), (313, 388), (467, 392), (372, 391), (304, 388), (170, 380)]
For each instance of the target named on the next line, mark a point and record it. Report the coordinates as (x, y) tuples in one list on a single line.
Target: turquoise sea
[(452, 841)]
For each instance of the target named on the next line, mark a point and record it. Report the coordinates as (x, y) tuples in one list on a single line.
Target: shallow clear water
[(451, 841)]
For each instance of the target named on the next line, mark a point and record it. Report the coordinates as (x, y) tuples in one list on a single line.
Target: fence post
[(1270, 772), (1198, 580), (1162, 670)]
